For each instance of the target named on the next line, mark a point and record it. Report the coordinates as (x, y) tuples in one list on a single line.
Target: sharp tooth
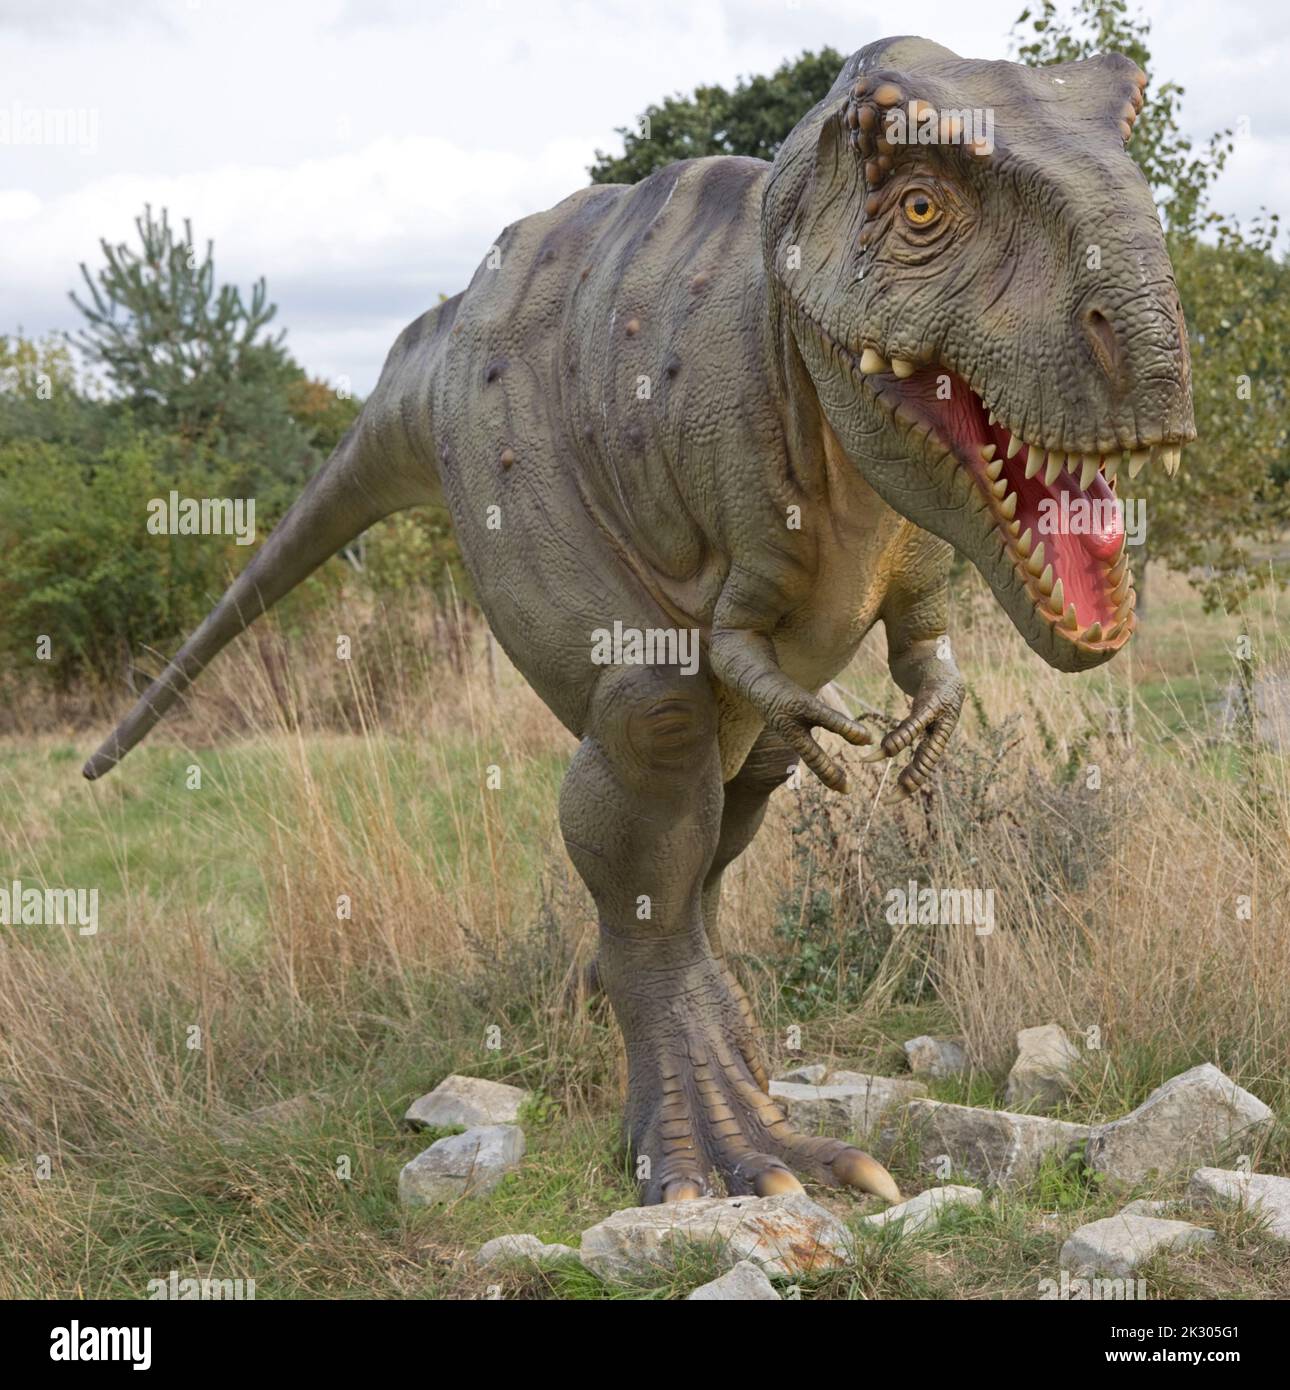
[(1046, 581), (1024, 543), (1121, 588), (903, 367), (1015, 446), (1069, 620), (1087, 469), (1009, 508), (1173, 460), (1036, 562), (1054, 468), (1014, 528), (992, 417), (1125, 608), (992, 472), (1111, 467), (871, 362), (1092, 634), (1138, 461), (1034, 462), (1113, 631), (1116, 572), (988, 451), (1000, 488), (1057, 599)]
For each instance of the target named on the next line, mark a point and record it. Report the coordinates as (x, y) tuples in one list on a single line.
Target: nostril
[(1102, 339)]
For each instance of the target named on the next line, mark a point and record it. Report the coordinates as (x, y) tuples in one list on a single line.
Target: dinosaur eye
[(921, 209)]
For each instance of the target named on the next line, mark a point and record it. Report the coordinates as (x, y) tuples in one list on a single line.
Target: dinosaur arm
[(743, 658), (915, 615)]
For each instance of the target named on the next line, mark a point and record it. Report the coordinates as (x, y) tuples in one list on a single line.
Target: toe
[(854, 1168), (682, 1190)]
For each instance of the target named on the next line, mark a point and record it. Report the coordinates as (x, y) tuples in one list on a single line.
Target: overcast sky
[(363, 154)]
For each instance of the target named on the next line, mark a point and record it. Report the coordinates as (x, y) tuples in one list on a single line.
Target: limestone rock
[(290, 1111), (851, 1104), (1041, 1075), (786, 1235), (935, 1057), (1143, 1206), (462, 1164), (1268, 1195), (1193, 1117), (744, 1283), (524, 1249), (1117, 1245), (810, 1074), (466, 1100), (924, 1210), (994, 1147)]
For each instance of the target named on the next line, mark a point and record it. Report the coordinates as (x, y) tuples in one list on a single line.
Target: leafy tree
[(753, 119), (194, 359), (41, 395)]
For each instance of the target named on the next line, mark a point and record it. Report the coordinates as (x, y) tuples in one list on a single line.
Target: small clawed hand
[(930, 722), (793, 717)]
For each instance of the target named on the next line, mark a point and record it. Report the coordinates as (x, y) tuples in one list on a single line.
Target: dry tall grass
[(1118, 906)]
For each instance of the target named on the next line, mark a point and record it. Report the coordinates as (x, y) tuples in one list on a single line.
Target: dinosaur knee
[(658, 724)]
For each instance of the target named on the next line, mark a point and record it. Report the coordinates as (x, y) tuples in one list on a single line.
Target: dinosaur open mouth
[(1054, 508)]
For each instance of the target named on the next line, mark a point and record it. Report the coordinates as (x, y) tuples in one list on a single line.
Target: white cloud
[(362, 156)]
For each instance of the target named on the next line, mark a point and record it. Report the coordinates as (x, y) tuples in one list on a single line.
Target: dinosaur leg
[(769, 763), (641, 814)]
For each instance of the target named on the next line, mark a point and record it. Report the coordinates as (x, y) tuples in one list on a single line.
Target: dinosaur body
[(761, 403)]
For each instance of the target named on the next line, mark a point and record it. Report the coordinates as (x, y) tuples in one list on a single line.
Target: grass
[(353, 905)]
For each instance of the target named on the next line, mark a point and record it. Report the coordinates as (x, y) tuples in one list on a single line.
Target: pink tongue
[(1106, 530)]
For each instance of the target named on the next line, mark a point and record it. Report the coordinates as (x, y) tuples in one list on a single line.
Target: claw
[(776, 1182), (854, 1168), (682, 1190)]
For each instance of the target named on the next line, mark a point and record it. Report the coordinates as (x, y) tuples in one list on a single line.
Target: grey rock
[(851, 1104), (1263, 1193), (1193, 1117), (785, 1235), (1041, 1075), (524, 1249), (935, 1057), (236, 1131), (994, 1147), (744, 1283), (1144, 1207), (466, 1100), (925, 1210), (1117, 1245), (469, 1164), (811, 1074)]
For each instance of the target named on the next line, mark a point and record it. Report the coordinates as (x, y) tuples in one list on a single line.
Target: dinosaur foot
[(698, 1121)]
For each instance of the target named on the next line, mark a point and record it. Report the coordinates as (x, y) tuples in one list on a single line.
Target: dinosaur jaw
[(1054, 511), (1043, 526)]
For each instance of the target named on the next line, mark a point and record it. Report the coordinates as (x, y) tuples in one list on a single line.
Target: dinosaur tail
[(347, 495)]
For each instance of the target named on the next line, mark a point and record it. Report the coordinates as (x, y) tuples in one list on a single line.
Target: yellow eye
[(920, 208)]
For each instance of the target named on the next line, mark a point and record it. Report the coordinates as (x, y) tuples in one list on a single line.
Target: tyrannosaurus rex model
[(760, 403)]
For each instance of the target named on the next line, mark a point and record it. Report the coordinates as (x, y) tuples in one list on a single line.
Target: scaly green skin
[(653, 406)]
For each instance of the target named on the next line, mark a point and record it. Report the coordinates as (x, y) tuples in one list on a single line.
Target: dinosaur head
[(971, 268)]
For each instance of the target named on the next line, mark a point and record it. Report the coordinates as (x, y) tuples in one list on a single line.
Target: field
[(1120, 819)]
